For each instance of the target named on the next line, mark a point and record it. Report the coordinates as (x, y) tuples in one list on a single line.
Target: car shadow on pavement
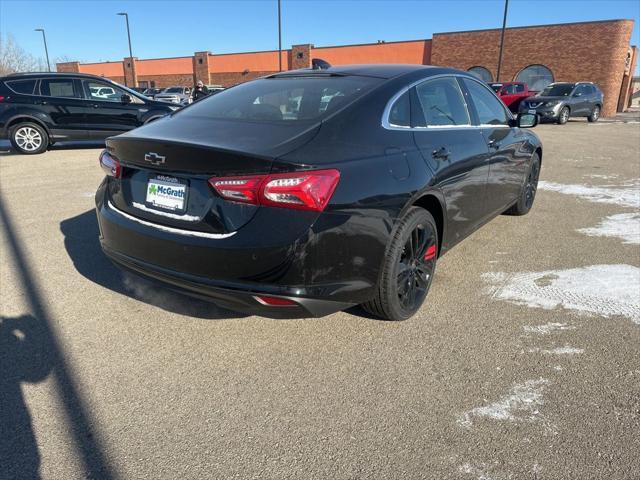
[(6, 149), (82, 244)]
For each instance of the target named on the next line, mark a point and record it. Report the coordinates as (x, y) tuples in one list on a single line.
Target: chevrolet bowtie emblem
[(154, 158)]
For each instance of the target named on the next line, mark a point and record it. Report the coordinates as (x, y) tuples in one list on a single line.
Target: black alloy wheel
[(529, 189), (415, 267), (532, 183), (408, 269)]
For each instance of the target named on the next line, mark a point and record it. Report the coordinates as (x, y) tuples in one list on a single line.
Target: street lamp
[(279, 38), (46, 51), (504, 26), (126, 16)]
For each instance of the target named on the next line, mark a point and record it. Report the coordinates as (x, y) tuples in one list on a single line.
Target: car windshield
[(557, 90), (496, 86), (283, 99), (173, 90)]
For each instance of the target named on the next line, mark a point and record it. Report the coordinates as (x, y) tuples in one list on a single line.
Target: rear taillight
[(2, 98), (302, 190), (110, 164)]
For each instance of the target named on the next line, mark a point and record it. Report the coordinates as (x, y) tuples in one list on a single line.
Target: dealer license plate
[(167, 193)]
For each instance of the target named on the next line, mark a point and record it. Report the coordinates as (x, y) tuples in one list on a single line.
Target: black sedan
[(310, 191)]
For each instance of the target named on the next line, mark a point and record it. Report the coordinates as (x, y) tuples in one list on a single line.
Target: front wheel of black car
[(28, 138), (408, 268), (528, 193), (595, 114)]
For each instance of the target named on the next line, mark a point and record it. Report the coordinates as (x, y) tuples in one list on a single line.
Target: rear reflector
[(1, 98), (301, 190), (275, 301), (110, 164)]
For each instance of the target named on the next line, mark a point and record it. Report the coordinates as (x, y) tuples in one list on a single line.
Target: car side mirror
[(527, 120), (126, 98)]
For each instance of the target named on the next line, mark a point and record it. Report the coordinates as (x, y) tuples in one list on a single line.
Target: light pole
[(504, 26), (46, 50), (279, 37), (126, 16)]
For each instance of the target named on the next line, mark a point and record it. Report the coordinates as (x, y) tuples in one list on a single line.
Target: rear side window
[(58, 88), (287, 100), (400, 113), (22, 86), (442, 103), (490, 110)]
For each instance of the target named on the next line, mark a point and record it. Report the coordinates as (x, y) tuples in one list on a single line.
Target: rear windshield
[(496, 86), (173, 90), (557, 90), (289, 100)]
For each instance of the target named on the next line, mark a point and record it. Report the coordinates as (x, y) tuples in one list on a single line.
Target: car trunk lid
[(166, 166)]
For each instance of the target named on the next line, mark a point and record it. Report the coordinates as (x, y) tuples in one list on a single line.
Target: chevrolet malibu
[(307, 192)]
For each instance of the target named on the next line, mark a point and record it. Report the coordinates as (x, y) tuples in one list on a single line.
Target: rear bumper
[(324, 265), (237, 297)]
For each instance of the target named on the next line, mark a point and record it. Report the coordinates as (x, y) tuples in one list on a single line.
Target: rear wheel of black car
[(528, 194), (28, 138), (408, 269), (563, 117), (595, 114)]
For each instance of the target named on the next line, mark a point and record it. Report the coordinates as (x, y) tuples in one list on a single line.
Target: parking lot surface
[(523, 364)]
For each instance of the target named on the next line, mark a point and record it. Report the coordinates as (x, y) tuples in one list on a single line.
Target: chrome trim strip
[(387, 109), (178, 231), (184, 218)]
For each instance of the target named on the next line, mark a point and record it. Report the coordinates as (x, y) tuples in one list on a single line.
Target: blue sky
[(90, 31)]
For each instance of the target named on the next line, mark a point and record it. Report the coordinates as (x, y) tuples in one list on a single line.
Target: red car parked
[(512, 93)]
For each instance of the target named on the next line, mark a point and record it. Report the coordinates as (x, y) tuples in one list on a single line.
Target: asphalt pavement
[(524, 363)]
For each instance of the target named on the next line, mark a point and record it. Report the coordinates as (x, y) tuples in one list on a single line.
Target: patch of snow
[(519, 405), (603, 177), (624, 225), (478, 471), (626, 196), (566, 350), (547, 328), (604, 290)]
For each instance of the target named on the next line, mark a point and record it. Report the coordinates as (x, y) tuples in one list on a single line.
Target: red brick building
[(597, 51)]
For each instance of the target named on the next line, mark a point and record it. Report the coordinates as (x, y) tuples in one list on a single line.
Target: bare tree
[(13, 58)]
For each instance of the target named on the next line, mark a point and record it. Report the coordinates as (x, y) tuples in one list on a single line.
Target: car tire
[(28, 138), (595, 114), (529, 189), (408, 268), (563, 116)]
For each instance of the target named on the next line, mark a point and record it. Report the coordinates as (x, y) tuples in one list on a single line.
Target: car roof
[(54, 74), (368, 70)]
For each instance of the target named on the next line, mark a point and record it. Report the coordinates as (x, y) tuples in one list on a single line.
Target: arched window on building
[(536, 76), (481, 73)]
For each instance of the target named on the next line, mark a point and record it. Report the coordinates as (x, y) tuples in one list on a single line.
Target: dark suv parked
[(559, 101), (39, 109)]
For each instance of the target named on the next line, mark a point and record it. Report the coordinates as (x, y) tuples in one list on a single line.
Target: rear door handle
[(441, 153)]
